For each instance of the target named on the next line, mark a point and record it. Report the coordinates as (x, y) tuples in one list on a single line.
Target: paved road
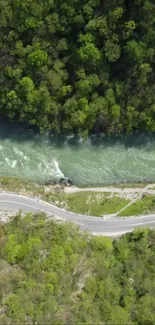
[(110, 227)]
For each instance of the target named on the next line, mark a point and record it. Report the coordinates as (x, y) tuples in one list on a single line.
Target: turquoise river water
[(97, 161)]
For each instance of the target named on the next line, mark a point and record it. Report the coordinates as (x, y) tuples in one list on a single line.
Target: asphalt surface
[(108, 226)]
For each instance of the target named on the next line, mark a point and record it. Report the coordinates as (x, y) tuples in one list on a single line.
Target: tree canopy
[(78, 66), (52, 273)]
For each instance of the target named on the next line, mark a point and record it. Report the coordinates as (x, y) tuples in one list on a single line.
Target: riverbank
[(103, 201)]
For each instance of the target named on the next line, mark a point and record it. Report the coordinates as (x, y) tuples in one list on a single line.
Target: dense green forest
[(78, 66), (52, 273)]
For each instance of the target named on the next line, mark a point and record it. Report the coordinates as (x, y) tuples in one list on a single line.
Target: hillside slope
[(52, 273)]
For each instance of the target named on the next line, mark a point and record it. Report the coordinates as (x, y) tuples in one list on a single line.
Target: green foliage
[(89, 53), (143, 206), (53, 271), (37, 58), (57, 53), (95, 204), (112, 50)]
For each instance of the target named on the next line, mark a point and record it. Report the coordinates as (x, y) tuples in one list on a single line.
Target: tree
[(75, 50)]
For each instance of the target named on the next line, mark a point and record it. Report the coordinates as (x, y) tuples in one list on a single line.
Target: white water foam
[(18, 152), (11, 163), (14, 164), (51, 169), (58, 172)]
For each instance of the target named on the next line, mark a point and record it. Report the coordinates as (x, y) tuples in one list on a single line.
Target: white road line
[(127, 225), (27, 205)]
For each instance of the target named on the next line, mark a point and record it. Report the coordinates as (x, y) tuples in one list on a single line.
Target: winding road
[(108, 226)]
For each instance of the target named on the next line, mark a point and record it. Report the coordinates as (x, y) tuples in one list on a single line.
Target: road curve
[(110, 227)]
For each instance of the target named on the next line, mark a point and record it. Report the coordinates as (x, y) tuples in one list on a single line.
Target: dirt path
[(147, 189), (140, 194)]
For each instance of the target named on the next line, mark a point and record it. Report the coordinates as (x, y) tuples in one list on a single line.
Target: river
[(97, 161)]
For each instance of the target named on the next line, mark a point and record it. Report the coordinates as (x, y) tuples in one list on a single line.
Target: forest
[(53, 273), (77, 66)]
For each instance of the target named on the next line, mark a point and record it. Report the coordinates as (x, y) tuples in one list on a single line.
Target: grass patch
[(90, 203), (145, 205), (15, 184), (95, 204)]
